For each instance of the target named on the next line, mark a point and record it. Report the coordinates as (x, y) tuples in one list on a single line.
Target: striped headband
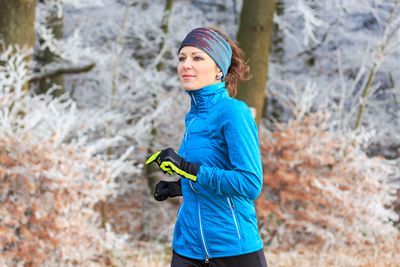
[(213, 44)]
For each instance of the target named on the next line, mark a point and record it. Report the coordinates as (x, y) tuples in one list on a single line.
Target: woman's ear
[(219, 73)]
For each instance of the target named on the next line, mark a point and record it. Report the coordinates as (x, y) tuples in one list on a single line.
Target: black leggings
[(254, 259)]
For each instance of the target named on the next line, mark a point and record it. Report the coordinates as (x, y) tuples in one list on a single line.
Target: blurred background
[(88, 89)]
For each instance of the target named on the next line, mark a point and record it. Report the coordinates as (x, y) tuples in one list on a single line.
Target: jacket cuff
[(201, 177)]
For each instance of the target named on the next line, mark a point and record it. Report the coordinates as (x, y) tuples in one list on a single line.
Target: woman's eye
[(198, 58), (181, 59)]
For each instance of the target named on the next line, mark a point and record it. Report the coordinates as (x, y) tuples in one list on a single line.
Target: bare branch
[(62, 70)]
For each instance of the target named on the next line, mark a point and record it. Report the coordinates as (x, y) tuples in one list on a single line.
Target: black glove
[(166, 189), (170, 162)]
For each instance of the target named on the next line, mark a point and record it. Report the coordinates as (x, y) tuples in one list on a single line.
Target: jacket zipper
[(190, 182), (234, 217), (179, 210), (195, 103), (190, 123), (202, 236)]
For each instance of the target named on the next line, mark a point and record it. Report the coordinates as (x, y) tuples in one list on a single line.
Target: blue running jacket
[(217, 217)]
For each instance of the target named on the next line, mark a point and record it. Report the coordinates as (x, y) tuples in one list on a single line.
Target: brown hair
[(238, 70)]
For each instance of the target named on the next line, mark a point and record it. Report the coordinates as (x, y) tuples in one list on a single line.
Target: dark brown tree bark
[(17, 22), (254, 37), (17, 19)]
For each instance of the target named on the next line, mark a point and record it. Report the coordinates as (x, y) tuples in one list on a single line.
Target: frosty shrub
[(47, 196), (51, 175), (321, 188)]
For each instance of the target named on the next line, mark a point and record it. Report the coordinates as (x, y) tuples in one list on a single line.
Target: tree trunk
[(275, 109), (165, 28), (45, 57), (254, 37), (17, 19)]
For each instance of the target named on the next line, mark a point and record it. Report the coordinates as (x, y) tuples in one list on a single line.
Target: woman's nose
[(187, 63)]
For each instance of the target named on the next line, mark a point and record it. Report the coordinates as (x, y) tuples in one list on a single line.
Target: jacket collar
[(203, 97)]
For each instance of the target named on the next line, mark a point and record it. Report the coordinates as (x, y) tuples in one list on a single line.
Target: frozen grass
[(384, 253), (149, 254), (368, 255)]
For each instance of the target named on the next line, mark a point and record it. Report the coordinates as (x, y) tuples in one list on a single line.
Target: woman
[(218, 160)]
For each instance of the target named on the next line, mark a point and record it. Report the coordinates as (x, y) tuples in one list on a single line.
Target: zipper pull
[(207, 259)]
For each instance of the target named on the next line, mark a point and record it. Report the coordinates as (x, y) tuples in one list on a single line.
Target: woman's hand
[(170, 162), (166, 189)]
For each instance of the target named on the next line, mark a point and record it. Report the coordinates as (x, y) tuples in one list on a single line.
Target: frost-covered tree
[(50, 18), (337, 51)]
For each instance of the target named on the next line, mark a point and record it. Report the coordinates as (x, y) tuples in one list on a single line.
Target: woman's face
[(196, 68)]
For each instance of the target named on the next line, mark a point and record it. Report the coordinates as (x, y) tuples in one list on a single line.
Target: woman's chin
[(190, 88)]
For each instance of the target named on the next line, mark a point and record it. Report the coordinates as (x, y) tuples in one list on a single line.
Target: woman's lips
[(187, 76)]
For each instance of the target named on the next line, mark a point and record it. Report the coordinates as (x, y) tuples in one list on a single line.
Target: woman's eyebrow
[(183, 54)]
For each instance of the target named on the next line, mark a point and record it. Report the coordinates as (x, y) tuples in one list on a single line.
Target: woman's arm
[(241, 136)]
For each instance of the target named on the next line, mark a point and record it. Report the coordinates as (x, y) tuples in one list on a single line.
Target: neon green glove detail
[(170, 162), (153, 158)]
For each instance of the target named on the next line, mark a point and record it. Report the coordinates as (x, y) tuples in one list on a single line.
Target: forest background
[(88, 89)]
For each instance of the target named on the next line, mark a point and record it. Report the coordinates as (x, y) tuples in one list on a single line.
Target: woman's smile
[(188, 76)]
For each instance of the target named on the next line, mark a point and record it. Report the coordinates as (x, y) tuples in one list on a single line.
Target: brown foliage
[(46, 199), (318, 187)]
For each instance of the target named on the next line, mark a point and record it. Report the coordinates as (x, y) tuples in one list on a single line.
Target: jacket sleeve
[(241, 136)]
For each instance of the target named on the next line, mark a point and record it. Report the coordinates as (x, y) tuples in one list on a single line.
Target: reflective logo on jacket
[(217, 217)]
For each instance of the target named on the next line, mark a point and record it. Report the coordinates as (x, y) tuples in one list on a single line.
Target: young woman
[(218, 160)]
